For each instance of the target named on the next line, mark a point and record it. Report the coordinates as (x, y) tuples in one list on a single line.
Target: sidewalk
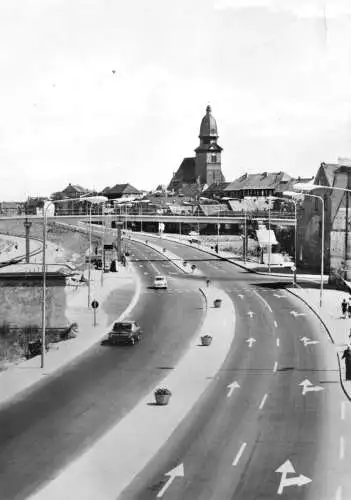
[(330, 315), (107, 468), (19, 377)]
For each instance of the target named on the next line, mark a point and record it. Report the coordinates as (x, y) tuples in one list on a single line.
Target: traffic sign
[(95, 304), (293, 268)]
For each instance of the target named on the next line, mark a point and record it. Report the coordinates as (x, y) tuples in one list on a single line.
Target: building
[(125, 191), (259, 185), (337, 212), (205, 168), (72, 204), (11, 208)]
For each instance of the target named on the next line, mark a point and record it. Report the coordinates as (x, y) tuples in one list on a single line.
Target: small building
[(11, 208), (258, 185), (125, 191)]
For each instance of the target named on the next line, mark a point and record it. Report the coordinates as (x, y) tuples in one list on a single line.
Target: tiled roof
[(216, 187), (268, 180), (121, 189)]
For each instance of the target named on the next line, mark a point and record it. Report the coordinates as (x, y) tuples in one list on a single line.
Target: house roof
[(10, 204), (75, 187), (121, 189), (264, 180), (216, 188), (213, 209)]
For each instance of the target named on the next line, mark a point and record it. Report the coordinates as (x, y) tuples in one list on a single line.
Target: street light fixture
[(292, 194), (295, 232), (93, 200)]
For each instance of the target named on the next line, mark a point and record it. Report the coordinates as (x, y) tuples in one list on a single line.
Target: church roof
[(208, 127)]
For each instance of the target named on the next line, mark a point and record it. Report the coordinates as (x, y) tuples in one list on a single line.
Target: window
[(213, 158)]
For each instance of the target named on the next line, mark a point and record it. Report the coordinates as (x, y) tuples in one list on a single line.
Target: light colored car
[(160, 282)]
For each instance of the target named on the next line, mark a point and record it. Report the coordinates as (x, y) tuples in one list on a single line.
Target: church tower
[(208, 153)]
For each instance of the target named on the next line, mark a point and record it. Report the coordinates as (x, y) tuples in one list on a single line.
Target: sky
[(100, 92)]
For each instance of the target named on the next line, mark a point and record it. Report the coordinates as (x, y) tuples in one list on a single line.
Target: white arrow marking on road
[(307, 386), (251, 341), (295, 314), (307, 341), (250, 313), (241, 296), (278, 296), (176, 472), (288, 468), (231, 387)]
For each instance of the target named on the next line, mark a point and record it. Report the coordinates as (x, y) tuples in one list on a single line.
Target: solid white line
[(275, 368), (339, 493), (264, 301), (342, 448), (343, 410), (275, 324), (278, 342), (240, 452), (263, 401)]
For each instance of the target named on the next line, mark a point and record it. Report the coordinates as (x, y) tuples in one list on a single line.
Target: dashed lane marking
[(263, 401), (275, 367), (275, 324), (342, 448), (278, 342), (238, 456), (343, 410)]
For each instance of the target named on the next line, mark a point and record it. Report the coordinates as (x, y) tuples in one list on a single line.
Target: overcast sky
[(277, 74)]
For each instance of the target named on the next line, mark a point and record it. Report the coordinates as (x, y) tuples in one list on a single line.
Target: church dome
[(208, 127)]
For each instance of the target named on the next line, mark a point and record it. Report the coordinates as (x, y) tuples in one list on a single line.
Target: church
[(204, 169)]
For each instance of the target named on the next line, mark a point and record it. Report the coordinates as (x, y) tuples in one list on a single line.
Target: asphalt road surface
[(56, 422), (275, 422)]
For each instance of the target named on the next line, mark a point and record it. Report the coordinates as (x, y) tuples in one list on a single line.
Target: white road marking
[(278, 342), (263, 300), (275, 324), (342, 448), (231, 387), (251, 314), (250, 341), (275, 368), (263, 401), (288, 468), (241, 296), (296, 314), (307, 341), (176, 472), (338, 495), (238, 456), (307, 386), (343, 410)]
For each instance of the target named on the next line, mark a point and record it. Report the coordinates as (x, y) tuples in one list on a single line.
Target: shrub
[(163, 391)]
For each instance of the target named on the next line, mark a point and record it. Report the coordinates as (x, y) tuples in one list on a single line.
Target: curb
[(330, 336)]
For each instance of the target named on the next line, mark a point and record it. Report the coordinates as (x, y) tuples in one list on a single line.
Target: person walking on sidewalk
[(344, 308), (347, 356), (349, 308)]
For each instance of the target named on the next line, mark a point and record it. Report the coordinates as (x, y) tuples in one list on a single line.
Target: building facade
[(206, 167)]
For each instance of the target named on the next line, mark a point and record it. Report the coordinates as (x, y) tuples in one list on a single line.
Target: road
[(56, 422), (275, 422)]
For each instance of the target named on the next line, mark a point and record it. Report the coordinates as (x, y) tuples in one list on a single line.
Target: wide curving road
[(275, 422), (54, 423)]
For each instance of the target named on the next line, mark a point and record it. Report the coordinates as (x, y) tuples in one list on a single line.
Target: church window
[(213, 158)]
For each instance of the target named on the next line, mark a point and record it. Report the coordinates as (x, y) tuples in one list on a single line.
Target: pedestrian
[(347, 356), (207, 283), (344, 308), (216, 248), (349, 308)]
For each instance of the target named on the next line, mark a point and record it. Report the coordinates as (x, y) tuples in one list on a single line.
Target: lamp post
[(93, 200), (295, 231), (269, 238), (293, 193)]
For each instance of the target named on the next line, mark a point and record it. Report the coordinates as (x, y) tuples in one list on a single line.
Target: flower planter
[(162, 395), (217, 303), (162, 399), (206, 340)]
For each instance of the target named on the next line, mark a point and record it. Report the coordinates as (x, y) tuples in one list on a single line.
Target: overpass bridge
[(276, 218)]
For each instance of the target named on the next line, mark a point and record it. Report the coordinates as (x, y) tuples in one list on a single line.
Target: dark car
[(124, 332)]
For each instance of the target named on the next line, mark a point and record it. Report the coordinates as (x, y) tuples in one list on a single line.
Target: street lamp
[(295, 232), (293, 193), (93, 200)]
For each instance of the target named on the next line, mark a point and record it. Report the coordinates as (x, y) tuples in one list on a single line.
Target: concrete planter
[(162, 397), (206, 340), (217, 303)]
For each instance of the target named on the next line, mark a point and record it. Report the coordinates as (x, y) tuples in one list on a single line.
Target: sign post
[(293, 268), (94, 305)]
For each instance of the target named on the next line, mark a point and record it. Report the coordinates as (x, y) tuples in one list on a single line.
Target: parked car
[(160, 282), (124, 332)]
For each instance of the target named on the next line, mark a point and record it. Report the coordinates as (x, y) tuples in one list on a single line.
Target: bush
[(163, 391)]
